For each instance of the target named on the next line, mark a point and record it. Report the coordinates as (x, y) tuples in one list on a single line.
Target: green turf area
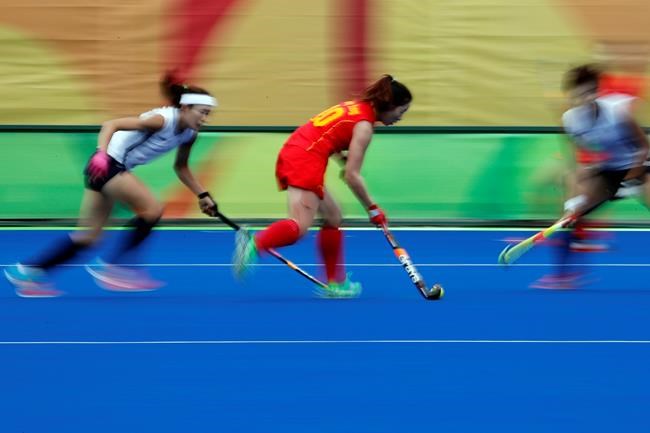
[(413, 176)]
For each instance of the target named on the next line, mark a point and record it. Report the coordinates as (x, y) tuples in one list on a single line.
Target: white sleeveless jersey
[(609, 134), (133, 148)]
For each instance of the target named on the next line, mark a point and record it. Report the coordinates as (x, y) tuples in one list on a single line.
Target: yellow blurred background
[(468, 62)]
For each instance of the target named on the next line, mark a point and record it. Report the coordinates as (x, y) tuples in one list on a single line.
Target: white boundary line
[(313, 342), (369, 265)]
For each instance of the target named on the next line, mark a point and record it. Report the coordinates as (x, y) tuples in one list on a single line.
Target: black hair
[(386, 94), (173, 89), (584, 74)]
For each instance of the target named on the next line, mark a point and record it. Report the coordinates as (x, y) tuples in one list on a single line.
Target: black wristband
[(204, 194)]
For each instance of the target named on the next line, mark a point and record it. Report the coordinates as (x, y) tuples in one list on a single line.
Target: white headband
[(198, 99)]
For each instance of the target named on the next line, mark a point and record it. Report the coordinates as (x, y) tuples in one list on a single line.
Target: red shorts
[(301, 169)]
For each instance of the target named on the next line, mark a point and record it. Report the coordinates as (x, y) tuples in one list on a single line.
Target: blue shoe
[(345, 289), (245, 253), (121, 278), (31, 282)]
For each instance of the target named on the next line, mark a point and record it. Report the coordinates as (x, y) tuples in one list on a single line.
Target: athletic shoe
[(566, 281), (586, 241), (121, 278), (587, 246), (340, 290), (31, 282), (245, 253)]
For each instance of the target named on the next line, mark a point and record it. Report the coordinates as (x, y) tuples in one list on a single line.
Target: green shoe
[(341, 290), (245, 253)]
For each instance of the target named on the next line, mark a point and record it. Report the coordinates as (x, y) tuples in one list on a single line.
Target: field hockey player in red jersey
[(343, 131)]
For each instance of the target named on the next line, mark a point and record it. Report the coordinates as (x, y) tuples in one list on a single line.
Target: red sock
[(583, 231), (278, 234), (579, 231), (330, 242)]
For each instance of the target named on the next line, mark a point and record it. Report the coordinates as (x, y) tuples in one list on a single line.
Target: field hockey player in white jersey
[(123, 144), (604, 126)]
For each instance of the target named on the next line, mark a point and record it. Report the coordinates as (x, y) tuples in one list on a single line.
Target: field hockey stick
[(435, 292), (511, 253), (274, 253)]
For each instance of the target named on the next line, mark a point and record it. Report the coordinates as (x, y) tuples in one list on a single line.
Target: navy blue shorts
[(613, 179), (114, 168), (612, 182)]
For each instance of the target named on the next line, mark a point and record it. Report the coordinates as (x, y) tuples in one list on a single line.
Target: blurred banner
[(468, 62), (422, 177)]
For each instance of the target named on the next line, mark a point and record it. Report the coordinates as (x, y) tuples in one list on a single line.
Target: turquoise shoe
[(345, 289), (31, 282), (246, 253)]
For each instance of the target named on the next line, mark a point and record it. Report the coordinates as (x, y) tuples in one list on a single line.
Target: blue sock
[(64, 250)]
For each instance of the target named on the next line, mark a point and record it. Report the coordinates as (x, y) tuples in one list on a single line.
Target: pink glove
[(377, 216), (98, 165)]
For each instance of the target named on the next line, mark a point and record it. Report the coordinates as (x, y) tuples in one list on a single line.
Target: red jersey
[(331, 131), (302, 161), (628, 84)]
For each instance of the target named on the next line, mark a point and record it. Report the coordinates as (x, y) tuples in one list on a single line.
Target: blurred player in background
[(621, 75), (123, 144), (345, 131), (602, 128)]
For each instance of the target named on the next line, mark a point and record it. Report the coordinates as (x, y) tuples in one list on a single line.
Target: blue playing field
[(208, 354)]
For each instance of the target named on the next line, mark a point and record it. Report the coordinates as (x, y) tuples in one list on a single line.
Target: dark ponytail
[(172, 88), (584, 74), (386, 94)]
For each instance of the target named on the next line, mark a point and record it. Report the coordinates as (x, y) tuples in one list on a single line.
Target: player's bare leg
[(330, 242)]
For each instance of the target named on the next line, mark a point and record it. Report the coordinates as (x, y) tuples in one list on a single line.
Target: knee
[(86, 238), (302, 229), (151, 214), (335, 219), (142, 224)]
